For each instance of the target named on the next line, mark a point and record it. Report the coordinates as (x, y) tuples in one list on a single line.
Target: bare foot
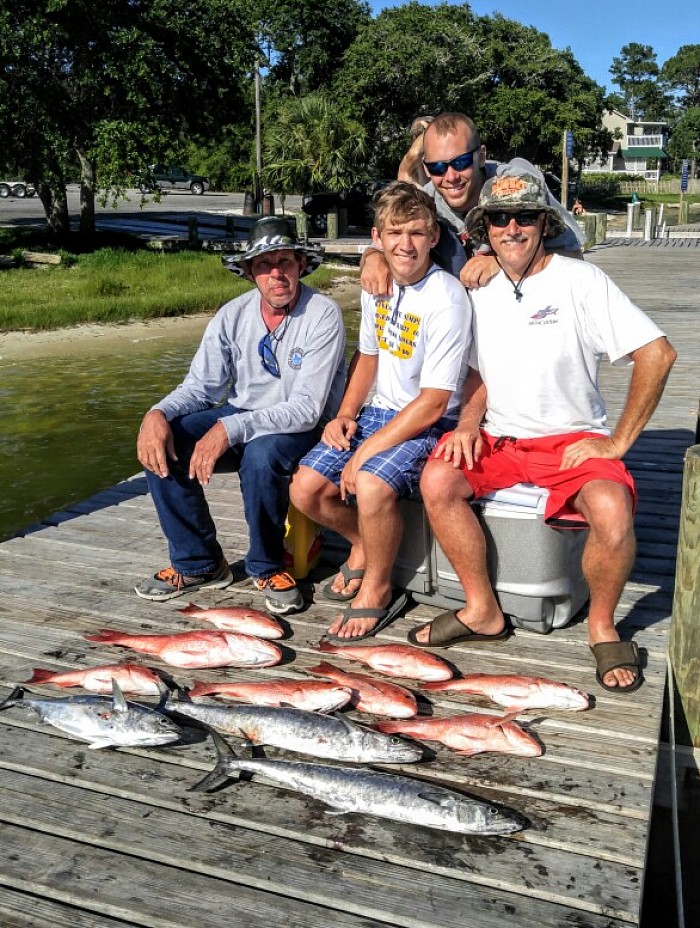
[(489, 624)]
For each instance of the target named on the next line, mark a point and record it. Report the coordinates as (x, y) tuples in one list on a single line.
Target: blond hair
[(400, 202)]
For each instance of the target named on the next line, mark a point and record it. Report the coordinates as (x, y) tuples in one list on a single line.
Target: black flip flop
[(446, 630), (384, 617), (348, 575)]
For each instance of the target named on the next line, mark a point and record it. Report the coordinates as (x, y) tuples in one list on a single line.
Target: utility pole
[(258, 140)]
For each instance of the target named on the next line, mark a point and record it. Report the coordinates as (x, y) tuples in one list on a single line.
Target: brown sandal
[(614, 655), (446, 630)]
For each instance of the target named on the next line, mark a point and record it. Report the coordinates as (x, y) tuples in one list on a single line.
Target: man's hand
[(155, 443), (348, 477), (338, 432), (375, 276), (207, 452), (478, 271), (463, 446), (581, 451)]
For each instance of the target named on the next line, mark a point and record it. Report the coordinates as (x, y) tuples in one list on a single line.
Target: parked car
[(160, 176), (16, 188), (356, 199)]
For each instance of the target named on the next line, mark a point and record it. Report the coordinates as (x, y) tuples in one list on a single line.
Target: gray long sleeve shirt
[(227, 369)]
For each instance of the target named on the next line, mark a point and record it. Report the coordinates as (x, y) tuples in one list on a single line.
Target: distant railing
[(645, 141), (672, 185)]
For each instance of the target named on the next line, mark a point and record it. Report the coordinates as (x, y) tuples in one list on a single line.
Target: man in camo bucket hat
[(268, 375), (534, 413), (513, 194)]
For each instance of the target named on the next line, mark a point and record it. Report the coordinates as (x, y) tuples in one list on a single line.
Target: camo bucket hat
[(513, 193), (273, 233)]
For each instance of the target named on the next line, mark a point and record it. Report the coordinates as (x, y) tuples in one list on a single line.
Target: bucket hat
[(512, 193), (273, 233)]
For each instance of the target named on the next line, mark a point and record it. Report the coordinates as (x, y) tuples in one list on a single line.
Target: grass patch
[(115, 285)]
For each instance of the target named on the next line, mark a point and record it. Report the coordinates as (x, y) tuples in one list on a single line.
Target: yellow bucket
[(302, 544)]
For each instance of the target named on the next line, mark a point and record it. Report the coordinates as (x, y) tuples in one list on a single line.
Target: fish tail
[(221, 773), (322, 669), (41, 676), (189, 609), (326, 646), (201, 689), (104, 635), (16, 694)]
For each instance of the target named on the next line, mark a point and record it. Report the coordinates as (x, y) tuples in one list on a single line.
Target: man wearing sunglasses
[(540, 330), (449, 159), (268, 375), (412, 357)]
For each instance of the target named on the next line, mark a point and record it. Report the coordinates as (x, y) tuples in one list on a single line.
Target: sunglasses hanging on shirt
[(267, 349)]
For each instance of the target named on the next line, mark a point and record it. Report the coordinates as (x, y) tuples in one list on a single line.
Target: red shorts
[(506, 461)]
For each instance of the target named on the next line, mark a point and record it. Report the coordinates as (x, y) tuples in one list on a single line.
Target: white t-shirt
[(422, 336), (539, 357)]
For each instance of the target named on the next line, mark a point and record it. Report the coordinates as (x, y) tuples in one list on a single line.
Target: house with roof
[(638, 147)]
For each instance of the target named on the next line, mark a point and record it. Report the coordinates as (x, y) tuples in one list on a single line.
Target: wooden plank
[(257, 812)]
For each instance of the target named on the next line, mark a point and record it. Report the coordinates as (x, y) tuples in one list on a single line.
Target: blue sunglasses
[(460, 163), (268, 358)]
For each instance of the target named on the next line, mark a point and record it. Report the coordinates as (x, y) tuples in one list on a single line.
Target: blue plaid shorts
[(399, 466)]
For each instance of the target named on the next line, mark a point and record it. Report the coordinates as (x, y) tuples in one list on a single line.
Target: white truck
[(16, 188)]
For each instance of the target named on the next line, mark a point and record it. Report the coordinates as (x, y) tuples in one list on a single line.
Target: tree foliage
[(636, 72), (311, 144), (305, 40), (685, 140), (682, 74), (110, 84)]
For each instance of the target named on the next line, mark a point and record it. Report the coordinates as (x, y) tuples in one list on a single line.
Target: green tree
[(532, 94), (685, 139), (637, 74), (410, 60), (682, 74), (311, 144), (521, 92), (304, 40), (111, 85)]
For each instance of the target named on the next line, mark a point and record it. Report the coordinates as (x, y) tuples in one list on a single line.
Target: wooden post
[(588, 223), (332, 229), (685, 631), (601, 228), (193, 232)]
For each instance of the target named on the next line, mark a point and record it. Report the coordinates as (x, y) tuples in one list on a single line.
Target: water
[(69, 421), (69, 415)]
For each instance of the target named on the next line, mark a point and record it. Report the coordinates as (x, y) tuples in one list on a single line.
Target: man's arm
[(339, 431), (652, 365), (464, 444), (411, 167)]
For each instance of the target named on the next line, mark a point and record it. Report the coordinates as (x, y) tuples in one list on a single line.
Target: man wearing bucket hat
[(533, 413), (449, 160), (268, 374)]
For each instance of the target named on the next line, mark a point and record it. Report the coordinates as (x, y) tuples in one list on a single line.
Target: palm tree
[(311, 144)]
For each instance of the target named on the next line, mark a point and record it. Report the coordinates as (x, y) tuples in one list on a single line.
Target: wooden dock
[(103, 839)]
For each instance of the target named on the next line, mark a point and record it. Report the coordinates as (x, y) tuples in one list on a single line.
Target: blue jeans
[(265, 467)]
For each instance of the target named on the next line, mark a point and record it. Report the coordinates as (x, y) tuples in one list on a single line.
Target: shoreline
[(104, 337)]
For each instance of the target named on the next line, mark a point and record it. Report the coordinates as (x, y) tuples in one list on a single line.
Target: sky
[(596, 30)]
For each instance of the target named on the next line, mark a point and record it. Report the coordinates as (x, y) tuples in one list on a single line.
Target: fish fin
[(438, 799), (335, 811), (118, 700), (189, 609), (100, 743), (164, 692), (220, 774), (510, 715), (348, 723)]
